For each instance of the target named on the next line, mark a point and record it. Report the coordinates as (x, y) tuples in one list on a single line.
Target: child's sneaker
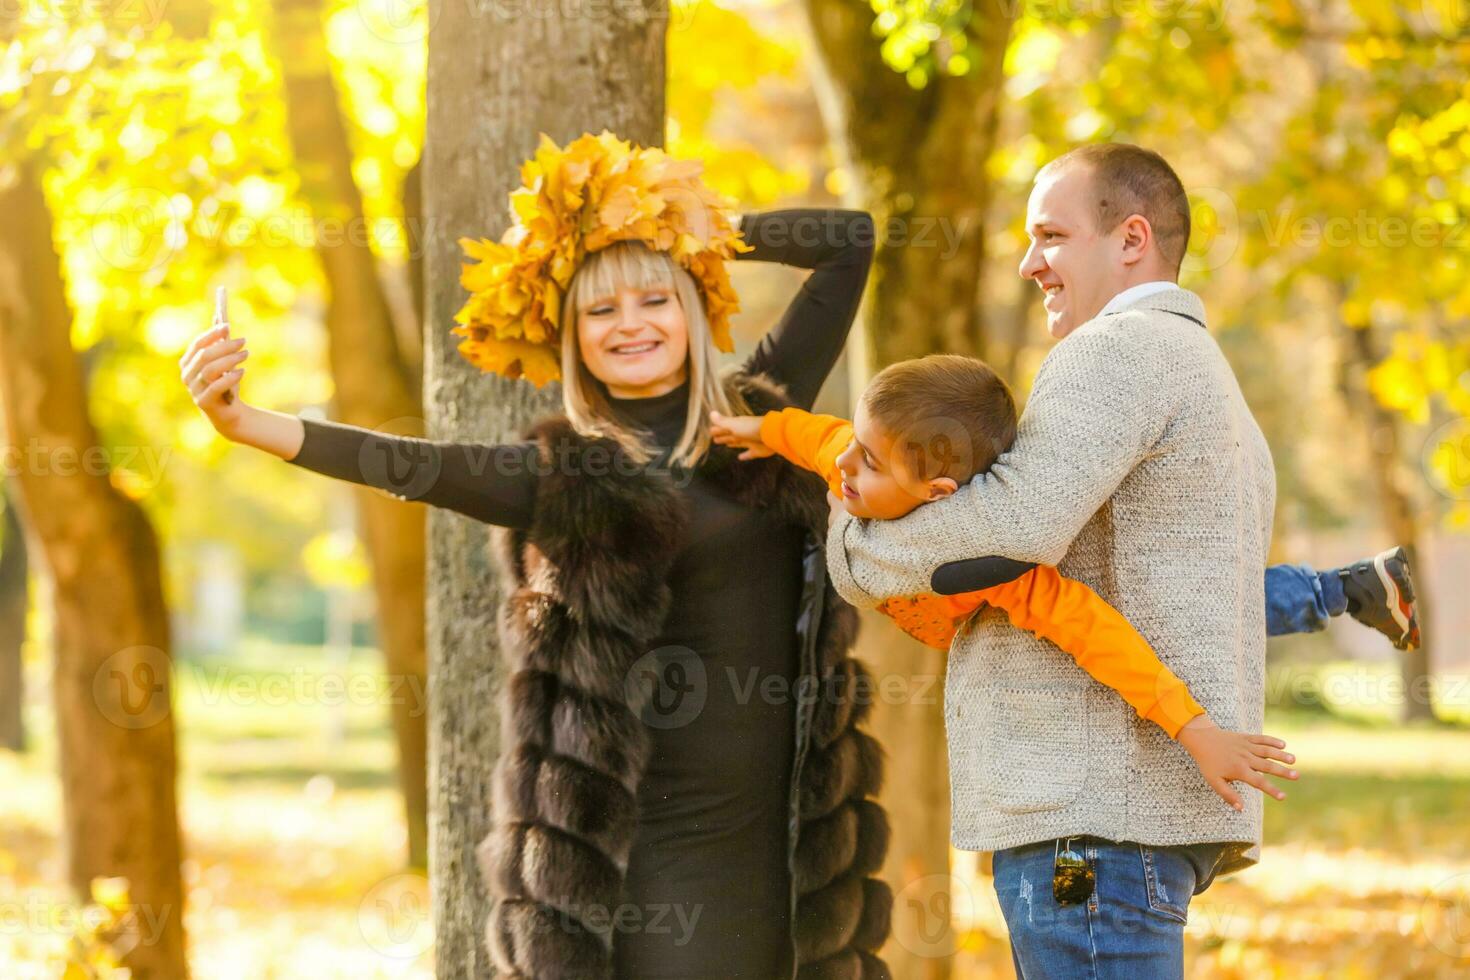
[(1380, 594)]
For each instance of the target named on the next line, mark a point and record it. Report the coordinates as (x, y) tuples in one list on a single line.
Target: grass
[(293, 829), (294, 841)]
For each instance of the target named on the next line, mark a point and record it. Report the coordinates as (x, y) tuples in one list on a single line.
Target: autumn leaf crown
[(573, 201)]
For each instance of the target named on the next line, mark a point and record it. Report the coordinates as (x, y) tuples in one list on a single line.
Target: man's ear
[(1138, 236), (939, 488)]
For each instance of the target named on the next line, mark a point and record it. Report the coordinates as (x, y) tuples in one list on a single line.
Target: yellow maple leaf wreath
[(575, 200)]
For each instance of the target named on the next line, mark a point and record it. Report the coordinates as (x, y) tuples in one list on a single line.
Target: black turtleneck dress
[(707, 875)]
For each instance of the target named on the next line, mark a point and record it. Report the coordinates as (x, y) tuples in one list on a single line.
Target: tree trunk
[(1400, 516), (416, 234), (113, 663), (493, 86), (918, 162), (373, 388), (14, 601)]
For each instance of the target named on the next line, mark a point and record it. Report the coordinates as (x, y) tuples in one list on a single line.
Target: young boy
[(923, 428)]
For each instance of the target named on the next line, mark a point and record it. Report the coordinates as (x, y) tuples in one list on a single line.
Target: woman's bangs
[(627, 265)]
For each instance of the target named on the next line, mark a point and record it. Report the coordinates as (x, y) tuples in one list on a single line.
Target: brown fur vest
[(587, 593)]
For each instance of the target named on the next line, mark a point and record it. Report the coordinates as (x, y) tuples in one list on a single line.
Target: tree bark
[(112, 658), (1400, 515), (14, 601), (373, 387), (918, 162), (416, 234), (493, 86)]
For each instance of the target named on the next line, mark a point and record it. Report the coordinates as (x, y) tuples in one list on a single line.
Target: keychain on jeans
[(1072, 878)]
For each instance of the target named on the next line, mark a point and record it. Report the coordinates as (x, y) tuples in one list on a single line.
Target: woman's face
[(635, 341)]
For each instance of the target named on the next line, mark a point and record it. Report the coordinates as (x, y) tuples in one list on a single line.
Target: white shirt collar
[(1133, 294)]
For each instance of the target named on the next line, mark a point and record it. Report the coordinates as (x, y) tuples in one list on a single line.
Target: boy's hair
[(1128, 179), (949, 415)]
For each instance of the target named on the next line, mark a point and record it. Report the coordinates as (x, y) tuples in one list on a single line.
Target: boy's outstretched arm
[(1112, 652), (804, 438)]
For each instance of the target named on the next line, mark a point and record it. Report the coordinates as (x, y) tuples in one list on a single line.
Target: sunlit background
[(1326, 147)]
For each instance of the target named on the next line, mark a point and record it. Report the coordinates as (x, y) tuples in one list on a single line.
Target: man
[(1138, 469)]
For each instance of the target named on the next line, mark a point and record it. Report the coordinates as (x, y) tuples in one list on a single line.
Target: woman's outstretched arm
[(837, 245), (491, 483), (494, 484)]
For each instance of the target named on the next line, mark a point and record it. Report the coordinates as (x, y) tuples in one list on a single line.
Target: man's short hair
[(1127, 180)]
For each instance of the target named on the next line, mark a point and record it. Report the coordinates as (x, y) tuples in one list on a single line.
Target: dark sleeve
[(494, 484), (973, 574), (837, 245)]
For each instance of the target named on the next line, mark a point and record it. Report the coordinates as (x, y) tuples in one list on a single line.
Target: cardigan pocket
[(1034, 743)]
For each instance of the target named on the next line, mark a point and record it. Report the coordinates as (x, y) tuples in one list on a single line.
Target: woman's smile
[(637, 349)]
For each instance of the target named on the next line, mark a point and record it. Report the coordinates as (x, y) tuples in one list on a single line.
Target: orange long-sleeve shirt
[(1042, 601)]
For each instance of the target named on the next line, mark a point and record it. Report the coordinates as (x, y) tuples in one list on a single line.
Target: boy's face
[(876, 483)]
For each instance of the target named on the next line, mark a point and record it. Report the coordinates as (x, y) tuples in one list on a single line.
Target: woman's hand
[(1224, 756), (741, 432), (211, 369)]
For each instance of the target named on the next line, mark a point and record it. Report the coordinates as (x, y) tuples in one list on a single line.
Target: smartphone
[(222, 318)]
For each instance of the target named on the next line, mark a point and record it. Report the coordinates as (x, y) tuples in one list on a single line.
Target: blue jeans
[(1300, 599), (1132, 928)]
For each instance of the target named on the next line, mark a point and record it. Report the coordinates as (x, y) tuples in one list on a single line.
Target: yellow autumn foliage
[(575, 200)]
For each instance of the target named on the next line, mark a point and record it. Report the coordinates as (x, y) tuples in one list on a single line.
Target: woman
[(735, 836)]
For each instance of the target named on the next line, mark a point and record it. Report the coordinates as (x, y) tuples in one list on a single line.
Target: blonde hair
[(634, 265)]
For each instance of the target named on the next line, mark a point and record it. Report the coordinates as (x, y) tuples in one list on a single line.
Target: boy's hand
[(741, 432), (835, 508), (1224, 756)]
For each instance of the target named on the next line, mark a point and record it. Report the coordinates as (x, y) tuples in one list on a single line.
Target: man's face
[(1077, 267)]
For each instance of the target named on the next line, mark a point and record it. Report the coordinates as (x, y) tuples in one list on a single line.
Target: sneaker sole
[(1400, 599)]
